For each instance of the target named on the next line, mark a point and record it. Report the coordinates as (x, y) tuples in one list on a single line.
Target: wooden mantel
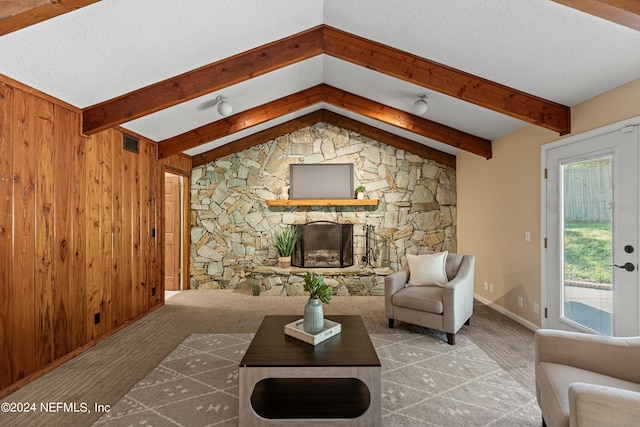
[(324, 202)]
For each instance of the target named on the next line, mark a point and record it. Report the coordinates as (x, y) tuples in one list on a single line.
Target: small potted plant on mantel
[(360, 190), (313, 320), (286, 239)]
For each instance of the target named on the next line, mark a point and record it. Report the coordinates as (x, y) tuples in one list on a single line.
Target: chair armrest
[(457, 296), (591, 352), (597, 405), (394, 282), (463, 282)]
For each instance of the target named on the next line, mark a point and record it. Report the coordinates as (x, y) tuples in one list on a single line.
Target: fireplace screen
[(324, 244)]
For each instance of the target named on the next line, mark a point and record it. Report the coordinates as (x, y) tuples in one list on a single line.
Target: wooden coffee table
[(285, 381)]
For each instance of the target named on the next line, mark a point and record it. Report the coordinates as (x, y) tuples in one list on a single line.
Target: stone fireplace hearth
[(356, 281)]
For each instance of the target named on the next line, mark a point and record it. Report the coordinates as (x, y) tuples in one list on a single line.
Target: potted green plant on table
[(360, 190), (286, 239), (319, 292)]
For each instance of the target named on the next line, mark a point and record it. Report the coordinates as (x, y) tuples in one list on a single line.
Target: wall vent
[(131, 143)]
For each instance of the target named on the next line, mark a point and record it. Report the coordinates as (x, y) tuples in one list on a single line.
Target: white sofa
[(587, 380)]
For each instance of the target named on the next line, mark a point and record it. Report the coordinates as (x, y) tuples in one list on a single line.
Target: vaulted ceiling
[(155, 67)]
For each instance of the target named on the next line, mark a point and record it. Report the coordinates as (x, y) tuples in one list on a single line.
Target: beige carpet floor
[(101, 376)]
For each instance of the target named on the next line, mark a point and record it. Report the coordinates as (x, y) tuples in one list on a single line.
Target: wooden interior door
[(172, 232)]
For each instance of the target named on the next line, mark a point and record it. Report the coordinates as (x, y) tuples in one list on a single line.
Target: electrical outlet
[(96, 318), (486, 286), (536, 308), (520, 302), (491, 288)]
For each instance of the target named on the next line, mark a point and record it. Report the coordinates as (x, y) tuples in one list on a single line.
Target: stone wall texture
[(232, 227)]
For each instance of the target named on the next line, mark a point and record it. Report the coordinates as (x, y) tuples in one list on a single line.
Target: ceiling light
[(420, 106), (224, 108)]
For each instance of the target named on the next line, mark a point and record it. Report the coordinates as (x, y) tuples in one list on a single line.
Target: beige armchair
[(444, 308), (587, 380)]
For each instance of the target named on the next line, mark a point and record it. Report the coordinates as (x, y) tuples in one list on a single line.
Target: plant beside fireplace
[(286, 239)]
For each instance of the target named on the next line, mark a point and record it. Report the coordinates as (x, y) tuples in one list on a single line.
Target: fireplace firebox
[(324, 244)]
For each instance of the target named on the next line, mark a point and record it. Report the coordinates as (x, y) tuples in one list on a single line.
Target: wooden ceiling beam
[(318, 40), (403, 120), (333, 96), (331, 118), (16, 15), (240, 121), (203, 80), (452, 82), (623, 12)]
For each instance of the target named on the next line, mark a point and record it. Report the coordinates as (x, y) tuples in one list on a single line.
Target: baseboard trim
[(509, 314)]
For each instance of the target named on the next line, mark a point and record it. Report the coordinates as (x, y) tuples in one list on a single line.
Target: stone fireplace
[(324, 244), (232, 225)]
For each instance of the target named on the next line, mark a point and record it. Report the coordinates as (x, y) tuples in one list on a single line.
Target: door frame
[(635, 121), (184, 225)]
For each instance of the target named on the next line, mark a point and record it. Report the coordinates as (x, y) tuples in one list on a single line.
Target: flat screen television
[(321, 181)]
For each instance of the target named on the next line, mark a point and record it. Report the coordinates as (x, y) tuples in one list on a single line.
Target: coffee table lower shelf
[(313, 396), (297, 398)]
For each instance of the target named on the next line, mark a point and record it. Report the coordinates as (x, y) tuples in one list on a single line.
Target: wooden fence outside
[(587, 194)]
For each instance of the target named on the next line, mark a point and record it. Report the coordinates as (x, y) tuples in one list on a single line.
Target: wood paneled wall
[(80, 234), (180, 164)]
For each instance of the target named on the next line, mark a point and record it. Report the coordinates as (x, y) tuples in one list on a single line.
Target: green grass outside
[(587, 247)]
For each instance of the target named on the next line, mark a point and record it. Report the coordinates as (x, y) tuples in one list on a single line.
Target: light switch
[(527, 236)]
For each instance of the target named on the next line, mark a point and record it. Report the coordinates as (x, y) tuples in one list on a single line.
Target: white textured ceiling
[(114, 47), (536, 46)]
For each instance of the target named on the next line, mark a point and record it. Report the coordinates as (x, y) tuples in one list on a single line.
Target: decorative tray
[(295, 330)]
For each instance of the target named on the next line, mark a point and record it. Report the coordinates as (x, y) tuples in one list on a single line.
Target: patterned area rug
[(424, 382)]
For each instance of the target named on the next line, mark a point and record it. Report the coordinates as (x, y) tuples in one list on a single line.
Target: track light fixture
[(224, 108), (421, 106)]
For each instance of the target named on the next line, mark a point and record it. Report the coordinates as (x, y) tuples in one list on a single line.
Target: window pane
[(587, 254)]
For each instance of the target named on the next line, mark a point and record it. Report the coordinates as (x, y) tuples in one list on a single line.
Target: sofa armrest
[(590, 352), (597, 405)]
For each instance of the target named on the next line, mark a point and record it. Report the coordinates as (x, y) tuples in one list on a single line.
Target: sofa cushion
[(427, 269), (422, 298), (553, 381)]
